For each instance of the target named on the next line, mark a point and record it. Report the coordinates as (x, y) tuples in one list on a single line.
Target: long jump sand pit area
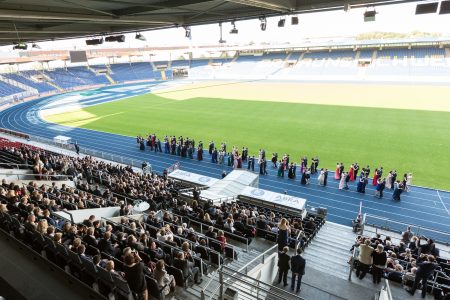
[(399, 96)]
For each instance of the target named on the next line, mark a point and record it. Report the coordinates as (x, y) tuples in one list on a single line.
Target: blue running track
[(421, 206)]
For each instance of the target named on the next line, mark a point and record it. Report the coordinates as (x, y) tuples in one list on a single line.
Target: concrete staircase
[(329, 251), (194, 292)]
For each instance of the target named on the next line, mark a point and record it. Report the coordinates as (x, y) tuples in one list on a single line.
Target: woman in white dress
[(321, 178), (342, 182), (388, 184), (409, 181)]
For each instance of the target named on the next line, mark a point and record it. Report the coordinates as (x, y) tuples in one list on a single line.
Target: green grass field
[(407, 140)]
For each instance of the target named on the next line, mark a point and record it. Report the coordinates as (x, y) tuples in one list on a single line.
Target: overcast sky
[(392, 18)]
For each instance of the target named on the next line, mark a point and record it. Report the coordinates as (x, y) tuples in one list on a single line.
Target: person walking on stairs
[(298, 264)]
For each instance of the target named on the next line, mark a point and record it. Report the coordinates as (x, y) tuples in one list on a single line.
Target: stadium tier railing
[(385, 292), (37, 176), (398, 227), (87, 151), (190, 221)]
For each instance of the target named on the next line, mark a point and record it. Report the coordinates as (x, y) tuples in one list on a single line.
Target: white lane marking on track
[(442, 202)]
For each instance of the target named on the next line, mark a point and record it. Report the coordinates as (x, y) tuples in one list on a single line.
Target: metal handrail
[(85, 201), (269, 291), (199, 258), (66, 212), (52, 196), (256, 258), (352, 261), (191, 243), (35, 175), (200, 235), (240, 269), (419, 228), (225, 232), (15, 164)]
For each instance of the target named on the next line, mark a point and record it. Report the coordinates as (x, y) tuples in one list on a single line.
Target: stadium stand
[(42, 87), (99, 184), (397, 64), (7, 89)]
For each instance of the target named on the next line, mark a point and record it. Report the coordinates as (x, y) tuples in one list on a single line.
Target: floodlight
[(369, 15), (263, 24), (94, 42), (294, 20), (140, 37), (427, 8), (35, 46), (115, 38), (187, 32), (445, 8), (281, 22), (234, 30)]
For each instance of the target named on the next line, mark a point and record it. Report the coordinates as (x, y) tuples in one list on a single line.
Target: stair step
[(327, 254), (332, 245)]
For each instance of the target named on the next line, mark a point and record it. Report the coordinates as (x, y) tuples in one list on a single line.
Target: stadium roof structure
[(42, 20)]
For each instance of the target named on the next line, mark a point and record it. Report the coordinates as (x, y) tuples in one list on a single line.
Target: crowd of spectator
[(410, 261)]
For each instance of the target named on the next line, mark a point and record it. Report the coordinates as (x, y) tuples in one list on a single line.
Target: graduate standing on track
[(77, 148)]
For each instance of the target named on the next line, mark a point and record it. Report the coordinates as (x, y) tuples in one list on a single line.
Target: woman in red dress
[(337, 174), (351, 173), (376, 174)]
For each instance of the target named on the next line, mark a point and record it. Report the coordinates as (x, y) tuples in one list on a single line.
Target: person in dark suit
[(283, 265), (105, 245), (424, 271), (157, 253), (187, 267), (89, 238), (77, 148), (298, 264)]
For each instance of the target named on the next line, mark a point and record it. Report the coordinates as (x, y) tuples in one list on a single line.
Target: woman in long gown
[(409, 182), (303, 179), (375, 177), (397, 191), (337, 174), (342, 182), (283, 234), (200, 153), (360, 186), (320, 179), (389, 181), (351, 173)]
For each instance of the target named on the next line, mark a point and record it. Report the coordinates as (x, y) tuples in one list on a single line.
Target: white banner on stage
[(193, 178), (275, 198)]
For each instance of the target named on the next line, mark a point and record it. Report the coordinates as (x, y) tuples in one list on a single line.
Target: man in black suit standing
[(283, 265), (424, 270), (187, 267), (298, 264), (77, 148)]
